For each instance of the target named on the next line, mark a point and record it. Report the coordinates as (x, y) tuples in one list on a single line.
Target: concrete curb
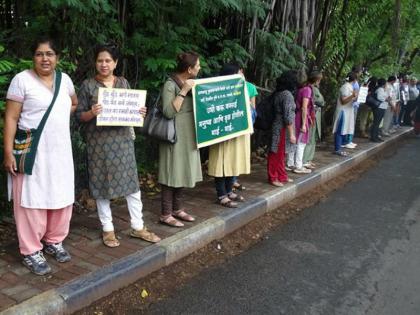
[(49, 302), (86, 289)]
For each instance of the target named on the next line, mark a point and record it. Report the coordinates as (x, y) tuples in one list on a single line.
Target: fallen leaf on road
[(144, 294)]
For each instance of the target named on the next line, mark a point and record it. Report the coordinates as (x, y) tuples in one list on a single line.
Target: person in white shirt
[(43, 200), (392, 101), (344, 115), (413, 91), (404, 97), (378, 113)]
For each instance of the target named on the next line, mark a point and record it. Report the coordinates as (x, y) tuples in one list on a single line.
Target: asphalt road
[(357, 252)]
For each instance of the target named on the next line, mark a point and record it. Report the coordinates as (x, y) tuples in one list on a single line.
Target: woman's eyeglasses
[(41, 54)]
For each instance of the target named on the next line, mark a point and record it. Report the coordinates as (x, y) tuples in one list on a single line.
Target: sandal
[(309, 166), (236, 197), (226, 202), (277, 183), (109, 239), (239, 187), (145, 235), (341, 153), (181, 214), (171, 221)]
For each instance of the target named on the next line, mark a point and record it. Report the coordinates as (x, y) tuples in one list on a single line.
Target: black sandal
[(227, 202)]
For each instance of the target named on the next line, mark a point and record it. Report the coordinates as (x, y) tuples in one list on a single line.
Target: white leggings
[(295, 156), (134, 205)]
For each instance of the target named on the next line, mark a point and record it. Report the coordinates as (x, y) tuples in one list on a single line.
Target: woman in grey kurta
[(112, 165), (179, 163), (284, 117)]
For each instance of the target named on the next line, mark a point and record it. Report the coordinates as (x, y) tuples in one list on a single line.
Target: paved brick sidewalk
[(17, 284)]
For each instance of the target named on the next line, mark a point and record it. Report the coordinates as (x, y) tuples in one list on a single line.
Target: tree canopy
[(267, 36)]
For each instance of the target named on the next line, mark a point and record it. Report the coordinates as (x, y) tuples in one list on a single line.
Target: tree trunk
[(8, 14), (410, 59), (252, 35), (303, 26), (343, 27), (396, 30), (269, 17), (322, 28)]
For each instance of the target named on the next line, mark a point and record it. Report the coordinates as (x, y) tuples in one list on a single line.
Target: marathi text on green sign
[(221, 109)]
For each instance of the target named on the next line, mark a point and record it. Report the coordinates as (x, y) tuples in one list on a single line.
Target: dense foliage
[(266, 36)]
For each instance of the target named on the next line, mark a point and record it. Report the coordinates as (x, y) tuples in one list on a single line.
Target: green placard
[(221, 109)]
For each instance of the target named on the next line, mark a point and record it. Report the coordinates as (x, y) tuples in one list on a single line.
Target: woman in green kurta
[(112, 164), (179, 163), (314, 79)]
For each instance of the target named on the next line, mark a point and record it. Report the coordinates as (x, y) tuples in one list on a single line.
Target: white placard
[(363, 92), (121, 107), (397, 90)]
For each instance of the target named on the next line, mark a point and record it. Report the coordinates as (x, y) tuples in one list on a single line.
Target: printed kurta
[(111, 159), (51, 185), (284, 107), (179, 163)]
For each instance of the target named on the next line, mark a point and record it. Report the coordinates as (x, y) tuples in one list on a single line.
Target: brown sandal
[(171, 221), (181, 214), (226, 202), (145, 235), (109, 239), (277, 183)]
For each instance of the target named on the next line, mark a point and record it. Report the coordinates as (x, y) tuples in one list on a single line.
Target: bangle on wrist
[(179, 94)]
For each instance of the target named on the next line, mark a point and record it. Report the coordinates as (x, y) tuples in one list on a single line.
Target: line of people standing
[(297, 104), (43, 201)]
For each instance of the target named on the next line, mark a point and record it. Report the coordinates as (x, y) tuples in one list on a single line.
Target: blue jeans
[(223, 186), (340, 139)]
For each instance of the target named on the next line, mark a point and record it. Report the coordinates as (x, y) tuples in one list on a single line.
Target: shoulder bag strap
[(57, 85)]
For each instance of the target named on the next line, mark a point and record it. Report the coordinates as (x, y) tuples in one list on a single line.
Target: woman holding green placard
[(228, 159), (41, 98), (110, 151), (179, 163)]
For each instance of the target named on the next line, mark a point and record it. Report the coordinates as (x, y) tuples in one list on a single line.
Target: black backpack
[(265, 113)]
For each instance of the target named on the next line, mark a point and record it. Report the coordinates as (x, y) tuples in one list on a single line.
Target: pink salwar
[(33, 225)]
